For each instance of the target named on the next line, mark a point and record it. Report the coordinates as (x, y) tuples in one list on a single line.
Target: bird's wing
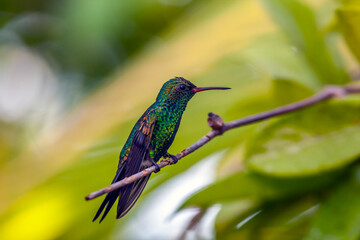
[(140, 144), (130, 166), (138, 152)]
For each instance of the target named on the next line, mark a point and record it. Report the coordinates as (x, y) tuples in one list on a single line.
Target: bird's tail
[(110, 198), (128, 195)]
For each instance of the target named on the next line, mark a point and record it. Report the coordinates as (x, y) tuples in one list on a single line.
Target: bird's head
[(180, 89)]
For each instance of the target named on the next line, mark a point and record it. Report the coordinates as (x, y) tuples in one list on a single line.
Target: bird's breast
[(164, 132)]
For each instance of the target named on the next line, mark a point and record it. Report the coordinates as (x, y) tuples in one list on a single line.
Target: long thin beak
[(200, 89)]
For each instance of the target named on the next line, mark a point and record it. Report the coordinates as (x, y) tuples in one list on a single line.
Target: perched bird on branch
[(149, 140)]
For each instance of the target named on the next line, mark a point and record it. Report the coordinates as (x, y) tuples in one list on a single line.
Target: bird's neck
[(175, 105)]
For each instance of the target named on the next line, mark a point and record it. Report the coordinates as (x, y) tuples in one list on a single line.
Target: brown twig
[(219, 127), (192, 224)]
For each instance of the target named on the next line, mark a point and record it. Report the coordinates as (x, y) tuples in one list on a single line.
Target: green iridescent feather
[(148, 141), (167, 110)]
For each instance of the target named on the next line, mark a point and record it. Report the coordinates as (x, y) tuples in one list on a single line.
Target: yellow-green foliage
[(293, 171)]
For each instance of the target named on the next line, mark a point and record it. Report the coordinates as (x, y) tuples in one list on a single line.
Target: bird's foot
[(157, 168), (174, 158)]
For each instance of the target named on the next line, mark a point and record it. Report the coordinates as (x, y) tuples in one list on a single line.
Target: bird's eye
[(182, 87)]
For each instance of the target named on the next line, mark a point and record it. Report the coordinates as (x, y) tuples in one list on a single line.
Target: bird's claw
[(157, 168), (174, 158)]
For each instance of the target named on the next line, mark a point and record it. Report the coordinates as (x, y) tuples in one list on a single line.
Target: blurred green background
[(76, 75)]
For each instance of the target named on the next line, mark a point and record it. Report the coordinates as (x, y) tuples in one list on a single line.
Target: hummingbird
[(150, 140)]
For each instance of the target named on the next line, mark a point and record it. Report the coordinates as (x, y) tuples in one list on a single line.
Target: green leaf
[(231, 214), (275, 56), (285, 91), (282, 92), (311, 141), (254, 187), (285, 220), (299, 23), (348, 19), (339, 216)]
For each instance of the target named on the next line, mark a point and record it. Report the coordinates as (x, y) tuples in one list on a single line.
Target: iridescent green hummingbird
[(149, 140)]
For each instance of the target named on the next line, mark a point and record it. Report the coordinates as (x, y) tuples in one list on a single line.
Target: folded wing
[(139, 152)]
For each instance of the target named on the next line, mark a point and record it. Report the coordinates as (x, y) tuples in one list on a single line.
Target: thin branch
[(219, 127)]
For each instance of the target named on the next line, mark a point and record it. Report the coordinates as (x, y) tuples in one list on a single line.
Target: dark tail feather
[(130, 195), (108, 202), (109, 199)]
